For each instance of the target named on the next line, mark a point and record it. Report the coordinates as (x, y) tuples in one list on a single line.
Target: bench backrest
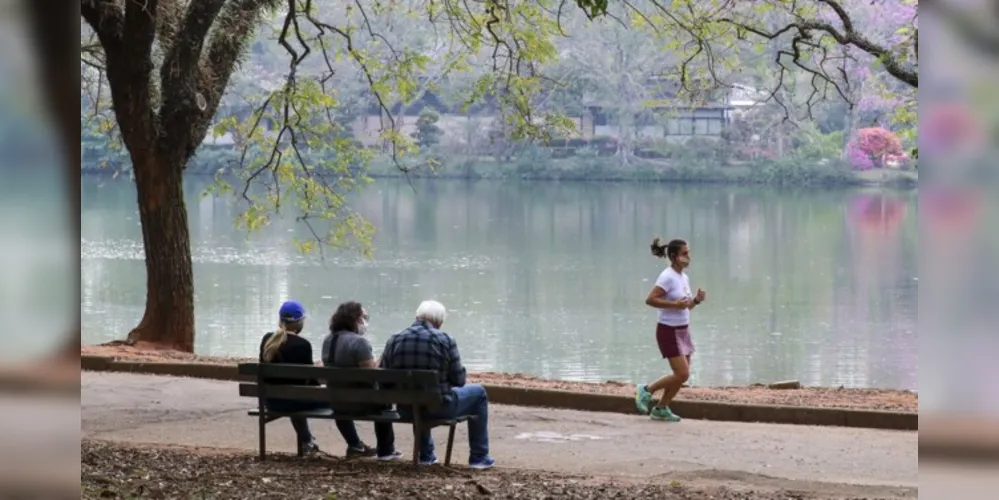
[(407, 387)]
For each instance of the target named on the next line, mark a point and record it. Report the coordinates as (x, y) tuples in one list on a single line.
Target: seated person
[(285, 345), (346, 347), (423, 346)]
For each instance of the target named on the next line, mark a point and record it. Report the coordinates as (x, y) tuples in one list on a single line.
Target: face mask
[(683, 260), (362, 328)]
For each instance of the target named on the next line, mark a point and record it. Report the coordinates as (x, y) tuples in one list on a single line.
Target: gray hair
[(431, 311)]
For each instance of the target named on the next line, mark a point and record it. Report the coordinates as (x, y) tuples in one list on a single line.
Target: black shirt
[(295, 350)]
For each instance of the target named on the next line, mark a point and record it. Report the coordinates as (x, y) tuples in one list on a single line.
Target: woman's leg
[(301, 425), (671, 346), (669, 384), (644, 394), (304, 434), (672, 383), (349, 432), (385, 441)]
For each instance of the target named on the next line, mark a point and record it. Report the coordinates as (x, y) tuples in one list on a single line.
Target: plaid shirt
[(423, 347)]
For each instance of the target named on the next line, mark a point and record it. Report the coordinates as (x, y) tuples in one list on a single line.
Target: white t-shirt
[(677, 287)]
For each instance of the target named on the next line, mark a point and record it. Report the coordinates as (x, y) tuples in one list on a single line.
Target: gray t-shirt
[(351, 350)]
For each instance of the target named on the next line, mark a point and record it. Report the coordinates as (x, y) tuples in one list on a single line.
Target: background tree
[(872, 147), (615, 69), (815, 40), (427, 134)]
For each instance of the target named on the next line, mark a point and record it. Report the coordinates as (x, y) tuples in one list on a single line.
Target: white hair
[(431, 311)]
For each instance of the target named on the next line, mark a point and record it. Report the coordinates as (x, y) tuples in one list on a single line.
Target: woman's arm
[(364, 357), (657, 298)]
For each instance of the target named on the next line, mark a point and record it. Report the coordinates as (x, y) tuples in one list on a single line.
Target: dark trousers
[(470, 399), (301, 425), (384, 434)]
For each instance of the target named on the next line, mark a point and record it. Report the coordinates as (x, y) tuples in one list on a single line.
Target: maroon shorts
[(674, 341)]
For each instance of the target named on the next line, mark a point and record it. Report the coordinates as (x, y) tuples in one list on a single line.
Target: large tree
[(162, 119)]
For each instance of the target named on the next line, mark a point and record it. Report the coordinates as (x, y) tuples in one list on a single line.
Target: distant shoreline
[(714, 176)]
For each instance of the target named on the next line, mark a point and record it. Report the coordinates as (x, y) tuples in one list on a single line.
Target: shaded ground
[(871, 399), (112, 470), (157, 411)]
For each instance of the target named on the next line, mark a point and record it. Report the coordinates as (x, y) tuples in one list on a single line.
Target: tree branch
[(178, 73), (140, 28), (233, 27), (127, 39), (848, 36), (106, 19)]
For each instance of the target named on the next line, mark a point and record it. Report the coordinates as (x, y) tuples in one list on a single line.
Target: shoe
[(395, 455), (431, 461), (664, 415), (643, 400), (310, 449), (486, 462), (361, 450)]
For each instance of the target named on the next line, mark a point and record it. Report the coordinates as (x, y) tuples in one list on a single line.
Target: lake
[(550, 278)]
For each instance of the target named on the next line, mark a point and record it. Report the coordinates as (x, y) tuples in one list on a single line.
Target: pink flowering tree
[(873, 148)]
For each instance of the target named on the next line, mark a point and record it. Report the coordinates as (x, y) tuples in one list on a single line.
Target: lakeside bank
[(870, 408), (785, 172)]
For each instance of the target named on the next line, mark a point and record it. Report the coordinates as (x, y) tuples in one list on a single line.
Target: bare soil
[(818, 397), (111, 470)]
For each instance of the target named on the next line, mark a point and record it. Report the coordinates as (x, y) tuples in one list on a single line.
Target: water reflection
[(550, 278)]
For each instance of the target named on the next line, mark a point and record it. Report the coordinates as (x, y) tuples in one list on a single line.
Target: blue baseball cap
[(292, 310)]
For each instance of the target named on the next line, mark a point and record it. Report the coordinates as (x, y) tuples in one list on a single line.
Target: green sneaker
[(643, 400), (664, 414)]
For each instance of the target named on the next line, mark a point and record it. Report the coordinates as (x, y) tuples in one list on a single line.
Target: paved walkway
[(168, 410)]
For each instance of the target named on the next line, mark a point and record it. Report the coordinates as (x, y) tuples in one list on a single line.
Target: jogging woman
[(672, 297)]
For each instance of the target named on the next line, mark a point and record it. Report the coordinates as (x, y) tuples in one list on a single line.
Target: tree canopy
[(155, 74)]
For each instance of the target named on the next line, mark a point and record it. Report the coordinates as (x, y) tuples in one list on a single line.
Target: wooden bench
[(417, 388)]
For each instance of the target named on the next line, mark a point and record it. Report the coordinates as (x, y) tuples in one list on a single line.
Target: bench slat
[(328, 414), (416, 379), (386, 416), (319, 413), (430, 400)]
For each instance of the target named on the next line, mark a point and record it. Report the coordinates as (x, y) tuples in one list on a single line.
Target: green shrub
[(796, 172)]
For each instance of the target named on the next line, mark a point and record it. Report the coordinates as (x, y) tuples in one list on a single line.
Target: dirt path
[(166, 411), (868, 399)]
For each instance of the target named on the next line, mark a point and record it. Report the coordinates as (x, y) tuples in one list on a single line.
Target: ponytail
[(274, 343), (657, 249)]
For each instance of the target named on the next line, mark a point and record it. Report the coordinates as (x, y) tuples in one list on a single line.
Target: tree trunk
[(169, 317)]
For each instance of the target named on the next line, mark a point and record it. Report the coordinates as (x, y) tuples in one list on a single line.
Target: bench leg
[(450, 444), (416, 444), (417, 427), (263, 437)]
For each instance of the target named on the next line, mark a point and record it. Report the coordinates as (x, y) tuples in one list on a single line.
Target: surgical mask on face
[(683, 260), (362, 327)]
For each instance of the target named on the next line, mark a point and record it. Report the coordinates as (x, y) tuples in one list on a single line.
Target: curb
[(567, 400)]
